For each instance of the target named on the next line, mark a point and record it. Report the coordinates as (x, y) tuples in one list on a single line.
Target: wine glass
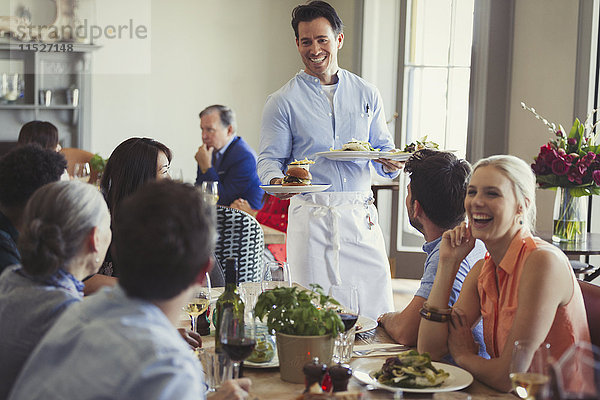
[(529, 370), (199, 303), (237, 339), (576, 375), (210, 191), (81, 172), (275, 274), (349, 311)]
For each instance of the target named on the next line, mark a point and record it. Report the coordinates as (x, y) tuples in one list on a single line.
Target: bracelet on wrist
[(434, 316), (444, 311)]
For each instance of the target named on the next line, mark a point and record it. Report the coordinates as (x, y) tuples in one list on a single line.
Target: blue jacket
[(236, 175)]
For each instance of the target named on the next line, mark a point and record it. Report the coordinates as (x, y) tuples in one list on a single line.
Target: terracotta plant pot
[(295, 351)]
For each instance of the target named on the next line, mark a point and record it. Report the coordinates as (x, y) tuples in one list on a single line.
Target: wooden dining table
[(267, 383)]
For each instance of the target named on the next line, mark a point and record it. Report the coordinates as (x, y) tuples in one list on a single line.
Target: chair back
[(240, 236), (591, 297)]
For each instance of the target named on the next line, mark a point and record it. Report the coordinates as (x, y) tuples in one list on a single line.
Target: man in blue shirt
[(435, 203), (227, 159), (121, 343), (333, 237)]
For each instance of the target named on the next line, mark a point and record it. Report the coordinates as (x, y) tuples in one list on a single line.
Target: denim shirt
[(298, 122), (431, 263), (112, 346), (28, 308)]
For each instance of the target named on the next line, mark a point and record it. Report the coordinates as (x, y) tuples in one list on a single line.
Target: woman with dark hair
[(42, 133), (131, 165), (65, 235)]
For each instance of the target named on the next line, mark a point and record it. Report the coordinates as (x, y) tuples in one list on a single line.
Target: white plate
[(350, 155), (274, 363), (364, 368), (366, 324), (294, 189)]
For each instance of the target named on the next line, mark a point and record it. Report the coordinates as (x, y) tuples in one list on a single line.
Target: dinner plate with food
[(297, 179), (410, 371), (352, 151)]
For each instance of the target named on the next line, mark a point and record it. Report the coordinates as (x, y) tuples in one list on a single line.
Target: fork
[(381, 349)]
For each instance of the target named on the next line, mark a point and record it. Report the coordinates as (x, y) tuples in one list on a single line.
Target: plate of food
[(294, 189), (411, 372), (273, 363), (352, 151)]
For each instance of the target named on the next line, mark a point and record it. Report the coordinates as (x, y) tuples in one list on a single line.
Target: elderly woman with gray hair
[(66, 232)]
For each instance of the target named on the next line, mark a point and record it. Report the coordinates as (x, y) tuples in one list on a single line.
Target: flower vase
[(570, 215)]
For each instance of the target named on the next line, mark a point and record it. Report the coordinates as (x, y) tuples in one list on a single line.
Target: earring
[(97, 259), (520, 222)]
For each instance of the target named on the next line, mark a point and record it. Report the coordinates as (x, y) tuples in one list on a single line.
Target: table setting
[(368, 353)]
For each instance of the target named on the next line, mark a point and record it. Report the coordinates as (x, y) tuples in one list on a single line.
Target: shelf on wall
[(36, 107)]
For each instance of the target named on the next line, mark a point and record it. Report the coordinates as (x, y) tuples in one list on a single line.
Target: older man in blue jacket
[(227, 159)]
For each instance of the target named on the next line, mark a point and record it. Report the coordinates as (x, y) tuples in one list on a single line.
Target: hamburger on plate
[(298, 173)]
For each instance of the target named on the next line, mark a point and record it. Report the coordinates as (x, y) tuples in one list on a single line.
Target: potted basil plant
[(305, 323)]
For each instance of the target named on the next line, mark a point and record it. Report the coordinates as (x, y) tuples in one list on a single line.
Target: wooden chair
[(74, 156), (591, 297)]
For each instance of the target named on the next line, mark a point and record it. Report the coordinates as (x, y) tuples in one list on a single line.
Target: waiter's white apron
[(334, 238)]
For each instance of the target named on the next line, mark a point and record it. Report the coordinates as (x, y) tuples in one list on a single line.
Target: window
[(435, 101)]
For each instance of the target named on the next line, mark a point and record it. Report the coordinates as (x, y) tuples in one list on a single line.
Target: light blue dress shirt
[(298, 122), (431, 264), (111, 346), (28, 309)]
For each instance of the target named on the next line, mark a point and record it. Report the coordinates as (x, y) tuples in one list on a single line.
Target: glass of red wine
[(349, 311), (238, 339)]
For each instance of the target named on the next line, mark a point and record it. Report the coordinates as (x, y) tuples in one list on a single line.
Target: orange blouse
[(498, 309)]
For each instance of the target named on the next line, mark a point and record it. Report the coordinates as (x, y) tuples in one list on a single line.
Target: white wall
[(543, 76), (202, 52)]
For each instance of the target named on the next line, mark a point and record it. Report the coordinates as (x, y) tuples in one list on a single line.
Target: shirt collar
[(314, 80), (429, 246), (224, 148), (509, 261), (60, 278)]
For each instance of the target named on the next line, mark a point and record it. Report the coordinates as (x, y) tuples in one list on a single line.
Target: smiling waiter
[(333, 237)]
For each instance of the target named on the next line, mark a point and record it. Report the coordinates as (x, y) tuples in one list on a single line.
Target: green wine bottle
[(229, 299)]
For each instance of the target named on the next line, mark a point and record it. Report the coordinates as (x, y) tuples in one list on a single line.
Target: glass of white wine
[(529, 370), (210, 191), (199, 303), (81, 172)]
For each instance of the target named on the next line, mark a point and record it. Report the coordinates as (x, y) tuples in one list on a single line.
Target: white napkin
[(378, 349)]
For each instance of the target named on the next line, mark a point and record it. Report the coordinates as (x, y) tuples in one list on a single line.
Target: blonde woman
[(524, 289)]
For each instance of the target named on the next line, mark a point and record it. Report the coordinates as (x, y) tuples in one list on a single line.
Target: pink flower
[(572, 141), (571, 158), (596, 177), (574, 175), (547, 154), (559, 167), (589, 158)]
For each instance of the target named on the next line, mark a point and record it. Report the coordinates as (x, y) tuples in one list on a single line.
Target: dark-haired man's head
[(438, 182), (22, 172), (163, 240), (42, 133), (313, 10), (319, 37)]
